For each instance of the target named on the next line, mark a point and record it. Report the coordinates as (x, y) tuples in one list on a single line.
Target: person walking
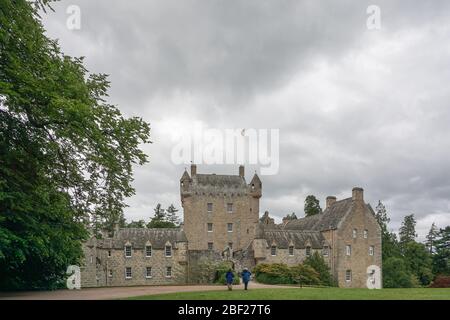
[(246, 277), (230, 277)]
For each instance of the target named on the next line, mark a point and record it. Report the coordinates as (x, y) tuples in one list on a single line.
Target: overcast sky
[(355, 107)]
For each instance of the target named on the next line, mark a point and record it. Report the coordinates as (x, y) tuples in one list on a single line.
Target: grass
[(307, 294)]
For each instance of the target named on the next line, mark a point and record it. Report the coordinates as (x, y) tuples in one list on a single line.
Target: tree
[(66, 156), (312, 206), (317, 262), (159, 220), (172, 216), (407, 231), (419, 261), (441, 258), (396, 274), (431, 237), (136, 224), (390, 245)]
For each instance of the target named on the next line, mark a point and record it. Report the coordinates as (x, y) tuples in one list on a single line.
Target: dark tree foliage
[(407, 231), (317, 262), (171, 215), (159, 220), (441, 258), (136, 224), (312, 206), (66, 155), (431, 238)]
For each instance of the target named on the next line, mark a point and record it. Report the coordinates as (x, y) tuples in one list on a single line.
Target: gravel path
[(117, 292)]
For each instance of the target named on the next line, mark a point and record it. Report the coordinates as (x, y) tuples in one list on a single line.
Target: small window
[(128, 274), (348, 250), (230, 245), (273, 250), (128, 251), (110, 273), (355, 233), (210, 227), (291, 250), (209, 207), (168, 251), (230, 207), (325, 251), (230, 227), (348, 275), (366, 234), (148, 272), (210, 246), (109, 253), (169, 272), (308, 251), (91, 259), (371, 250), (148, 251)]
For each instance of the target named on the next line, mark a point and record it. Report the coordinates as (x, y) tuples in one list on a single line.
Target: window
[(366, 234), (168, 251), (91, 258), (325, 251), (308, 251), (128, 273), (128, 251), (230, 207), (348, 250), (355, 232), (291, 250), (230, 245), (348, 275), (371, 250), (230, 227), (148, 251), (273, 250), (210, 227), (169, 272), (210, 246), (148, 272), (109, 253), (209, 207), (110, 273)]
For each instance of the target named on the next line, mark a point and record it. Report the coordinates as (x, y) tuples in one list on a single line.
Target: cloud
[(354, 107)]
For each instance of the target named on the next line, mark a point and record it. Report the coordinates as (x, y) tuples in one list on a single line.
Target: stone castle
[(222, 223)]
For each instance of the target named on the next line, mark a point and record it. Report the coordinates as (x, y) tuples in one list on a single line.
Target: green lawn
[(308, 294)]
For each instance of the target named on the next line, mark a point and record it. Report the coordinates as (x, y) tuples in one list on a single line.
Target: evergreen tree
[(136, 224), (312, 206), (390, 245), (407, 231), (159, 220), (431, 238), (172, 215), (418, 259), (441, 258), (317, 262)]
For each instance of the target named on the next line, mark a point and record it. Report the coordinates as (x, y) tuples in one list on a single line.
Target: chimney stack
[(193, 170), (330, 201), (358, 194), (242, 171)]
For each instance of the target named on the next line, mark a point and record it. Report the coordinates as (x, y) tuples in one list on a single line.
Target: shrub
[(397, 275), (304, 274), (276, 273), (317, 262), (221, 272), (441, 281)]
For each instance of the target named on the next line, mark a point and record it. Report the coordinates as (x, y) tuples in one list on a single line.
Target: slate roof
[(219, 180), (328, 220), (299, 239), (138, 237)]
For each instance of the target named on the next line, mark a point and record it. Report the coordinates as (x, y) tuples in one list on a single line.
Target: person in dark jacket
[(230, 277), (246, 277)]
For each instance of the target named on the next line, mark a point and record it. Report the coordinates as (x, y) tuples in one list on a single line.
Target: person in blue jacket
[(230, 277), (246, 277)]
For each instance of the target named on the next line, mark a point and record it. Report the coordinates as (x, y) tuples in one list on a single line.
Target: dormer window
[(291, 250), (325, 251), (168, 251), (308, 251), (273, 251), (253, 186), (148, 251)]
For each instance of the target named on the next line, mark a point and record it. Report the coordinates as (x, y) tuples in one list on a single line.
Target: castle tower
[(220, 211)]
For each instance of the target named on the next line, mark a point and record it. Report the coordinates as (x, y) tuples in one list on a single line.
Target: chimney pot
[(193, 170)]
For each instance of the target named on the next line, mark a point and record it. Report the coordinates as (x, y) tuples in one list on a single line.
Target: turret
[(255, 187), (185, 185)]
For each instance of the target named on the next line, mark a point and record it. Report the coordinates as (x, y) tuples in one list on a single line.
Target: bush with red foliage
[(441, 281)]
